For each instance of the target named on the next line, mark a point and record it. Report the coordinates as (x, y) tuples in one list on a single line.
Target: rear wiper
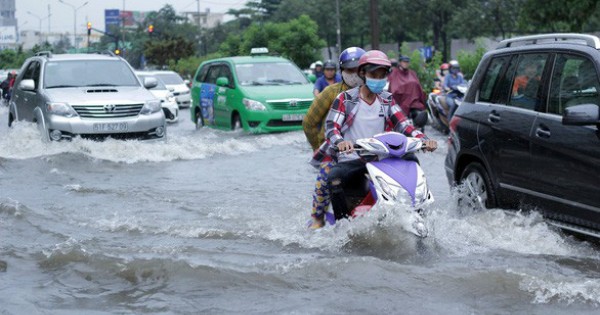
[(61, 86)]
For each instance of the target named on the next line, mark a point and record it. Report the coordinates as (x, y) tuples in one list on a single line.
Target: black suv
[(527, 133)]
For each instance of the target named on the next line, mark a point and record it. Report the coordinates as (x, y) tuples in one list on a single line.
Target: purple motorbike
[(395, 179)]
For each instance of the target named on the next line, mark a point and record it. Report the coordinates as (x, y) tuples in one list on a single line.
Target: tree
[(555, 15), (296, 40), (162, 52)]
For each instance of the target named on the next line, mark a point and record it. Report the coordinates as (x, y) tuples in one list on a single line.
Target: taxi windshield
[(269, 73)]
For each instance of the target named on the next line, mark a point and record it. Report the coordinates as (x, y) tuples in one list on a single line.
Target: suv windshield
[(76, 73), (170, 78), (271, 73)]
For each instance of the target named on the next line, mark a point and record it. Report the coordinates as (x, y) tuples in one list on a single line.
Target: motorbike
[(394, 179), (438, 108)]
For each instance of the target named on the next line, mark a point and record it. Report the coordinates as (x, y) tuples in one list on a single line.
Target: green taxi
[(257, 93)]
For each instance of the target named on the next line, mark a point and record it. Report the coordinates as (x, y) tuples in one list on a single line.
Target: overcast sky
[(61, 18)]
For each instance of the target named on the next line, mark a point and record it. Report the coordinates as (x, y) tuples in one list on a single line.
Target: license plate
[(292, 117), (109, 127)]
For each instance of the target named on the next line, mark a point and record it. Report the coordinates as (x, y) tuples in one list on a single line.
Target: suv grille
[(107, 111), (102, 91), (290, 104)]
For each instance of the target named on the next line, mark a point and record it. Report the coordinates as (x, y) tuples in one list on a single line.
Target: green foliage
[(12, 59), (187, 67), (161, 52), (296, 40), (556, 15), (469, 60)]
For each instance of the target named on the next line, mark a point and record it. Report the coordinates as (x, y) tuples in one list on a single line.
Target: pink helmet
[(373, 60)]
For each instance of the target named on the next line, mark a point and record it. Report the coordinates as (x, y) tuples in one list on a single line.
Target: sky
[(62, 19)]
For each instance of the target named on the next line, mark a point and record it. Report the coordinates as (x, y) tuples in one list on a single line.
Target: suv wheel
[(199, 119), (476, 191)]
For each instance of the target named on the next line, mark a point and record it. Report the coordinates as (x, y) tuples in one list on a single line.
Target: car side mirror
[(312, 78), (171, 89), (27, 85), (223, 81), (150, 83), (581, 115)]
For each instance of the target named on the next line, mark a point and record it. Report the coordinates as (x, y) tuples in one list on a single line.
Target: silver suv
[(90, 95)]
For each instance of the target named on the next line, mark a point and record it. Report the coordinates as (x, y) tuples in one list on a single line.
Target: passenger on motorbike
[(359, 113), (440, 75), (314, 126), (407, 91), (451, 82)]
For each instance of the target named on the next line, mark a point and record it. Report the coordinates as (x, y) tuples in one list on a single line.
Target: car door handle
[(542, 132), (494, 117)]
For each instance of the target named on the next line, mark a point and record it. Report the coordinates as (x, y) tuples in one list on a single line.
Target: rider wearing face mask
[(314, 126), (361, 112), (314, 121)]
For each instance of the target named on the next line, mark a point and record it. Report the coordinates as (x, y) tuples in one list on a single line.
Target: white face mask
[(352, 79)]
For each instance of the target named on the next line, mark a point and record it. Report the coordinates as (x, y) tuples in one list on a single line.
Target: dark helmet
[(350, 56), (373, 60), (404, 58), (329, 64)]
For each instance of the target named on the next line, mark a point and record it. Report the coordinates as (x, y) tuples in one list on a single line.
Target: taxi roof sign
[(259, 51)]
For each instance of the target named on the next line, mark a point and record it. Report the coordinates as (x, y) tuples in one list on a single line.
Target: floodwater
[(214, 222)]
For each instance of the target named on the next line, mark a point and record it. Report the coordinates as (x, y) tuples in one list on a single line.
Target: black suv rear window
[(491, 78)]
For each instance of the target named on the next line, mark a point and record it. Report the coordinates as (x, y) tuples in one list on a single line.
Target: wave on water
[(558, 288), (23, 142), (11, 207)]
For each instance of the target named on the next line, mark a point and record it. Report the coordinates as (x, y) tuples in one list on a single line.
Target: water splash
[(23, 142)]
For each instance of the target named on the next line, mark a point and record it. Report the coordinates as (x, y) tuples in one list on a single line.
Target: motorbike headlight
[(61, 109), (253, 105), (389, 189), (422, 194), (150, 107)]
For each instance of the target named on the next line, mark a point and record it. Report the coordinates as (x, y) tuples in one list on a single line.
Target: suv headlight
[(150, 107), (253, 105), (61, 109)]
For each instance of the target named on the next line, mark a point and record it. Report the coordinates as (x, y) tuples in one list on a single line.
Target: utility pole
[(123, 32), (199, 28), (49, 14), (374, 19), (338, 31)]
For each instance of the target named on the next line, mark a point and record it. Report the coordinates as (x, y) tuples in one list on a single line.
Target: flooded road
[(213, 222)]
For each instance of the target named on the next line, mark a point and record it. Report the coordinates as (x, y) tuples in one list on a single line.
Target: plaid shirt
[(341, 117), (314, 121)]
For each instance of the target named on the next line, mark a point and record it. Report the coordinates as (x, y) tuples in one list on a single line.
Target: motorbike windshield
[(269, 73), (78, 73)]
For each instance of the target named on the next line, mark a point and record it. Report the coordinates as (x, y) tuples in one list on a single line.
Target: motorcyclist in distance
[(440, 75), (329, 77), (451, 81), (407, 91)]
